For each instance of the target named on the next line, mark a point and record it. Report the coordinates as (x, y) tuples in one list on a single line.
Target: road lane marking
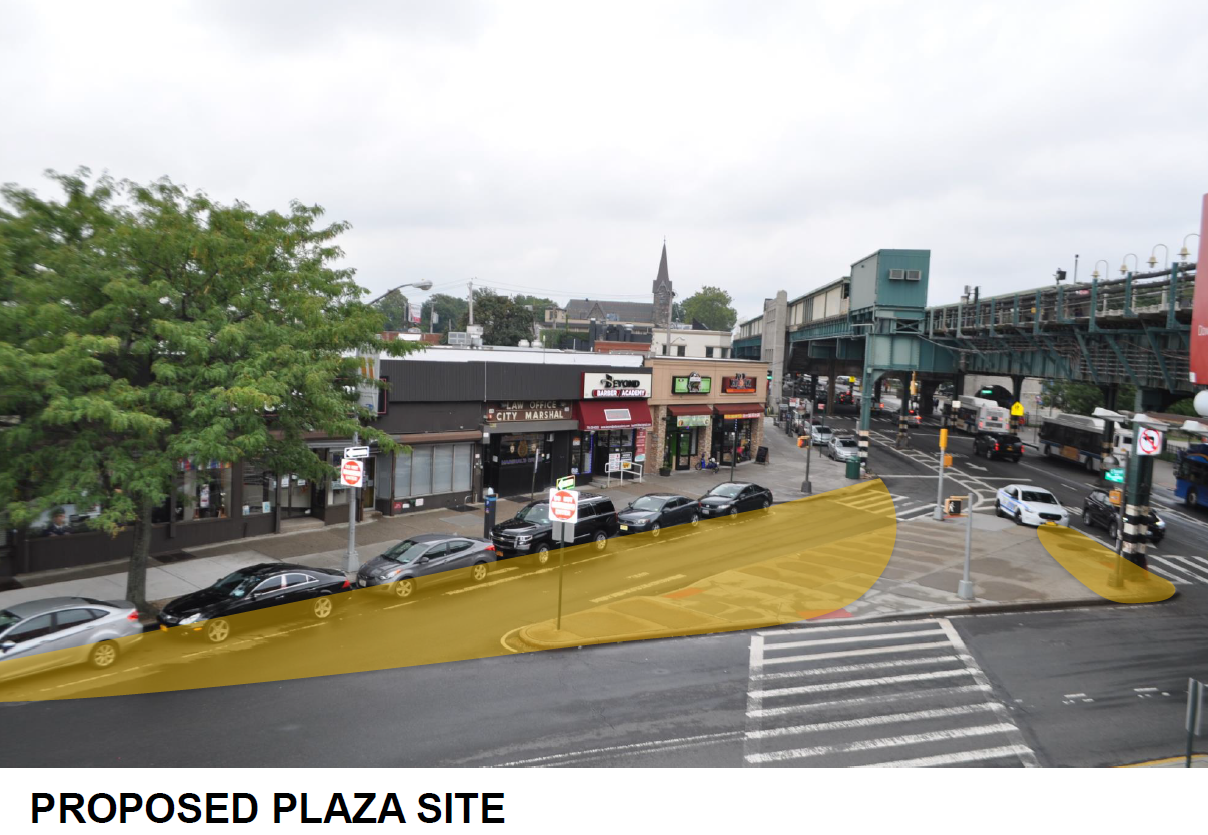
[(933, 693), (633, 747), (853, 668), (642, 587), (861, 682), (850, 639), (1020, 751), (789, 659), (868, 721), (884, 742)]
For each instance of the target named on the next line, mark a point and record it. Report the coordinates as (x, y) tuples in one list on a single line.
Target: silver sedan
[(40, 635)]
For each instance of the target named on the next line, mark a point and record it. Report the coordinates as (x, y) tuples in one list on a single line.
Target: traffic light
[(1060, 275)]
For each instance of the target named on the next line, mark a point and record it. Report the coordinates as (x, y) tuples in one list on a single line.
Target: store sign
[(692, 420), (738, 384), (525, 410), (692, 384), (639, 448), (598, 386), (742, 415)]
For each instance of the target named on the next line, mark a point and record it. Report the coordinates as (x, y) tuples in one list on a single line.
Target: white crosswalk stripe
[(1179, 570), (891, 694), (905, 507)]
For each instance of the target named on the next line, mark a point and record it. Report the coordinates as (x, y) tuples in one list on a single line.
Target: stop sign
[(564, 505), (352, 472)]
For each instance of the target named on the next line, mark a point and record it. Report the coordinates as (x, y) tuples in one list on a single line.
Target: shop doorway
[(684, 447), (520, 463), (367, 491)]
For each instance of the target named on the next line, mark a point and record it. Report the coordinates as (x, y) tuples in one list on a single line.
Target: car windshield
[(847, 442), (1008, 439), (726, 491), (537, 514), (406, 551), (647, 503), (1039, 496), (7, 619), (236, 584)]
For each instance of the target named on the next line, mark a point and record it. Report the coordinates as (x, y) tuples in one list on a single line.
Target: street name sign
[(1149, 442), (356, 452), (352, 472), (1115, 474), (564, 505)]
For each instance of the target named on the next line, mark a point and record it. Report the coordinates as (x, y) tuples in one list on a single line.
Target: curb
[(514, 641)]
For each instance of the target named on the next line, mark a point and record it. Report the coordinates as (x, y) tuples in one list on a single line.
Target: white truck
[(973, 414)]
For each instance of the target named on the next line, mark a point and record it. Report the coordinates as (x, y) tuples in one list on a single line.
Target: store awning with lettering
[(740, 411), (615, 414)]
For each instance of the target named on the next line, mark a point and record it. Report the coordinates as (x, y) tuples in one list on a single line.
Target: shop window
[(463, 464), (442, 469), (207, 491), (421, 471), (259, 489), (432, 469)]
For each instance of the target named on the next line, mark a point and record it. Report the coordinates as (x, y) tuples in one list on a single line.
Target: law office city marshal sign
[(526, 410), (352, 472), (600, 386), (564, 506)]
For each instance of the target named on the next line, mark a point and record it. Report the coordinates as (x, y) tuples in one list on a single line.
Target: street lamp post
[(1153, 259), (1184, 254), (419, 285), (806, 487), (1124, 264)]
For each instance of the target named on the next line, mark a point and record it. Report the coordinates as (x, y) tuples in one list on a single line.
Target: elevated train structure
[(875, 322)]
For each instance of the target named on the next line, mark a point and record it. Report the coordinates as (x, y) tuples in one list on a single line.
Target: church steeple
[(662, 291)]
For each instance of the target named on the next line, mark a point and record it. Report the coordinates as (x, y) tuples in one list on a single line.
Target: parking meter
[(488, 518)]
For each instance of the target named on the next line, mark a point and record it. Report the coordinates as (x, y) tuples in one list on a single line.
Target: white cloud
[(553, 145)]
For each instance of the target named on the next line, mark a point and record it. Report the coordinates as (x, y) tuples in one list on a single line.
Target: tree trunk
[(136, 578)]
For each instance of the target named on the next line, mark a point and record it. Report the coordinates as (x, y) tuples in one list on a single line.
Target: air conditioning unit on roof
[(896, 275)]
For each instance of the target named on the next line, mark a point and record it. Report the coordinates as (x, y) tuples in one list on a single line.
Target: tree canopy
[(396, 308), (711, 306), (143, 326), (504, 321), (1081, 398), (449, 310)]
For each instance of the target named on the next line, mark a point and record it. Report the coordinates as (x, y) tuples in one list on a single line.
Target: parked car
[(1097, 509), (252, 589), (843, 447), (820, 435), (531, 532), (428, 559), (1029, 505), (733, 497), (92, 631), (655, 511), (992, 445)]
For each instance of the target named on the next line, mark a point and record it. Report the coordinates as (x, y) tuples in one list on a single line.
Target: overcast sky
[(552, 146)]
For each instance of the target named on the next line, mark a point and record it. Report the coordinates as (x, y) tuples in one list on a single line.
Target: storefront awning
[(615, 414), (684, 411), (740, 411)]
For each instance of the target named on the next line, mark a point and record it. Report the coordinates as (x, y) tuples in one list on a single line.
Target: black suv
[(1097, 509), (998, 445), (733, 497), (531, 532)]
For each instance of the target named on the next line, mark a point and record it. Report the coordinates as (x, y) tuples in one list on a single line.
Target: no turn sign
[(1149, 442), (352, 472), (564, 506)]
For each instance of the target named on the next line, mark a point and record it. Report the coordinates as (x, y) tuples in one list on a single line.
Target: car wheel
[(998, 508), (404, 588), (1192, 499), (218, 631), (1018, 518), (104, 655), (695, 519), (654, 529), (541, 557), (1086, 517), (765, 505), (733, 512), (322, 607), (479, 572), (1113, 530), (601, 540)]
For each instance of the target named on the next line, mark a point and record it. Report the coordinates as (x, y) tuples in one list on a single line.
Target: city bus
[(1076, 438), (1191, 476)]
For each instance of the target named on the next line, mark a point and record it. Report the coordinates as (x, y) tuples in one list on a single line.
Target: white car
[(1029, 505), (820, 435)]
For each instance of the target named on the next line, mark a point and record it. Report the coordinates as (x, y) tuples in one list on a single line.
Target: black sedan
[(734, 497), (998, 445), (250, 591), (656, 511), (1097, 509), (434, 557)]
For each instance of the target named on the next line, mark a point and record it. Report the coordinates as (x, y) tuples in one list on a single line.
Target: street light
[(1106, 267), (1183, 253), (1124, 264), (418, 285), (1153, 259)]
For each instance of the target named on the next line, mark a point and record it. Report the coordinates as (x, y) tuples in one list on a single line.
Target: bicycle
[(711, 464)]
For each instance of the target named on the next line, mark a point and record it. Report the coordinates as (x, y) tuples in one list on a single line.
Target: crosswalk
[(905, 508), (884, 694), (1179, 570)]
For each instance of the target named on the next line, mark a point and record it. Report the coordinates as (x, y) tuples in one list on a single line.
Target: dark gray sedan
[(59, 631), (655, 511), (429, 559)]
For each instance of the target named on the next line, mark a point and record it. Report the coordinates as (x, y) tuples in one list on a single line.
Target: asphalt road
[(1100, 686)]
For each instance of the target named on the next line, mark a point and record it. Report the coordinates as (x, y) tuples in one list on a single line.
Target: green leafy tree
[(396, 310), (677, 312), (711, 306), (449, 311), (146, 325), (504, 322), (1082, 398), (537, 303)]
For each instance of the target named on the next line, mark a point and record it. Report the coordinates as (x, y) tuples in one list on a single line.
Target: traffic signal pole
[(939, 493)]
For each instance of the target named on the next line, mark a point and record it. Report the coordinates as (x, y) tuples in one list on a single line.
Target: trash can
[(853, 467)]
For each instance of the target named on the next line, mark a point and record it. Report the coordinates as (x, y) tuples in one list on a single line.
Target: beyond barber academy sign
[(598, 385)]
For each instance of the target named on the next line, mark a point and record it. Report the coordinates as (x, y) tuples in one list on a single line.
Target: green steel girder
[(1111, 341), (1157, 352), (1090, 362)]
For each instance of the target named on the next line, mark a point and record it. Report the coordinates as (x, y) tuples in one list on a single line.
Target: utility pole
[(734, 450), (353, 562), (471, 301), (809, 449)]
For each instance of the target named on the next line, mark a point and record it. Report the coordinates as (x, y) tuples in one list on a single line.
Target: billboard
[(413, 312), (1199, 311)]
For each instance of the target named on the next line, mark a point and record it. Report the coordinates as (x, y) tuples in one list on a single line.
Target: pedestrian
[(58, 523)]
